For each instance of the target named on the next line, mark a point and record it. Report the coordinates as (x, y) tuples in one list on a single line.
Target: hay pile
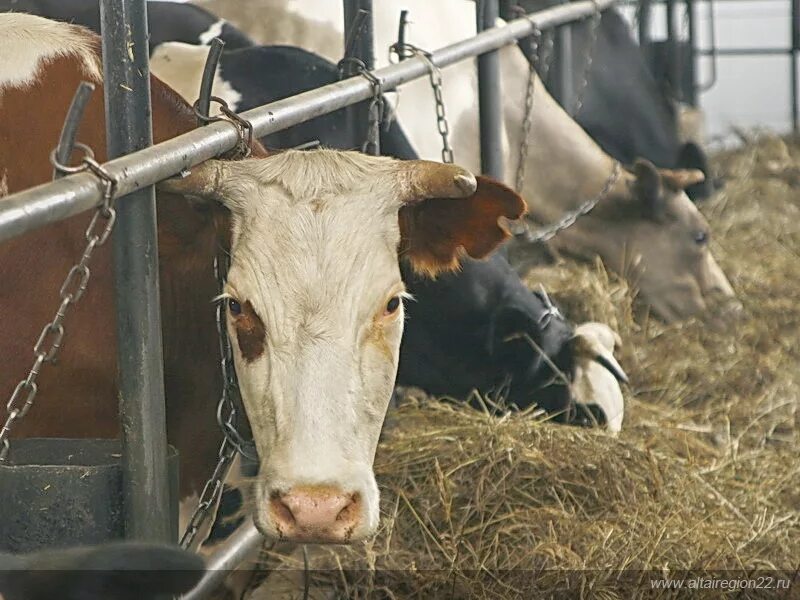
[(705, 475)]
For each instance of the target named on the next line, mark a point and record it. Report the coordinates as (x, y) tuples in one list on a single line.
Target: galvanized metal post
[(692, 58), (139, 355), (490, 99), (673, 68), (793, 65), (563, 84), (359, 44)]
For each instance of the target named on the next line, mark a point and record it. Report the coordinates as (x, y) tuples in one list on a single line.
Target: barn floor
[(704, 477)]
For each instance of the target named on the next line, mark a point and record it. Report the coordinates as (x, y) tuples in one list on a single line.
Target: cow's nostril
[(351, 512), (281, 511), (316, 514)]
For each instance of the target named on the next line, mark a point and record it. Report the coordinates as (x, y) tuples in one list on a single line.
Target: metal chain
[(210, 494), (72, 290), (588, 58), (527, 120), (372, 145), (548, 232), (435, 78), (227, 419), (244, 128), (535, 41), (377, 105)]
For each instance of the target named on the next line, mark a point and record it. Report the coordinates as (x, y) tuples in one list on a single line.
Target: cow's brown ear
[(436, 231)]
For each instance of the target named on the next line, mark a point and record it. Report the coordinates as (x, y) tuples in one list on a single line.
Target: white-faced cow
[(646, 229), (314, 292)]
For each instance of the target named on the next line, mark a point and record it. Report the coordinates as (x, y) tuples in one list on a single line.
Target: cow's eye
[(393, 305), (701, 237), (234, 307)]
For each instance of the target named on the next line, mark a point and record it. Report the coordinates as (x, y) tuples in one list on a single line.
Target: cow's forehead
[(308, 232), (686, 210), (318, 179)]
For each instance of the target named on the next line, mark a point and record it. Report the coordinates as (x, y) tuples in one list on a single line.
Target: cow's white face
[(315, 314)]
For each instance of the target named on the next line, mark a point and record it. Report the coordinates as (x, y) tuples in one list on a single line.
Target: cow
[(167, 21), (113, 571), (314, 296), (628, 116), (458, 327), (645, 228)]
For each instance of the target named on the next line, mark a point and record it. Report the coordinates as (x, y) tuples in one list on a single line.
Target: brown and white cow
[(314, 295)]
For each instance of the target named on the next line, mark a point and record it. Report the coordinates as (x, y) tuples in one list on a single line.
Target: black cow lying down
[(117, 571)]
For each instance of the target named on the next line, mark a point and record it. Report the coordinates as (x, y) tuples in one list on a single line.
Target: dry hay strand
[(703, 477)]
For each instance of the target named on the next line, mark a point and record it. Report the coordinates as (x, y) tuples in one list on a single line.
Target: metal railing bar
[(55, 201), (241, 546)]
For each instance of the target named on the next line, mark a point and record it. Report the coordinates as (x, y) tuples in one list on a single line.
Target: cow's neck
[(188, 241), (565, 167)]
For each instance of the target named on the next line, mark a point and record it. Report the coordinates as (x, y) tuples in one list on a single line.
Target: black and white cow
[(167, 21), (114, 571), (623, 108)]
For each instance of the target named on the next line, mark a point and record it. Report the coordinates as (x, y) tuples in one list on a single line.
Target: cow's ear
[(435, 232), (648, 188)]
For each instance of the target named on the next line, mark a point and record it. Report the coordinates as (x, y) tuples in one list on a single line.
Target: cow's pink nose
[(316, 514)]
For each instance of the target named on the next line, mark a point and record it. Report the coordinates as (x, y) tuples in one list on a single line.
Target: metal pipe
[(744, 51), (490, 98), (673, 68), (692, 58), (244, 543), (126, 73), (795, 12), (359, 45), (563, 84), (69, 132), (55, 201)]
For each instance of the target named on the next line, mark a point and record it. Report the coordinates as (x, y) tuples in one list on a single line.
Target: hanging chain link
[(72, 290), (536, 41), (588, 58), (435, 78), (233, 441), (227, 419), (377, 105), (548, 232), (372, 145)]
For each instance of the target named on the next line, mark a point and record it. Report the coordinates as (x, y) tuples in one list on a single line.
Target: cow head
[(314, 304), (650, 232)]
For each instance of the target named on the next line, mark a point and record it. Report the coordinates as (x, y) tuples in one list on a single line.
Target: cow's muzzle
[(318, 514)]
